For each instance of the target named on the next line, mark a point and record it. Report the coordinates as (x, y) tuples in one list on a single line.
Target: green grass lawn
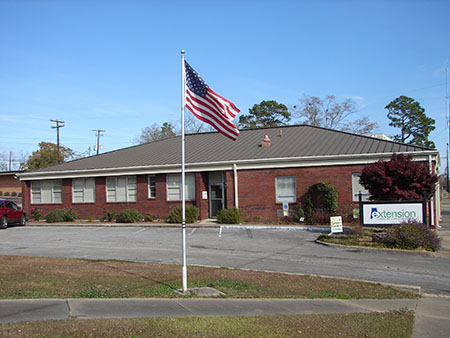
[(40, 277), (391, 324)]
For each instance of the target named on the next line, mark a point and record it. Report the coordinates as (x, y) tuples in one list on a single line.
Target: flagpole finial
[(182, 51)]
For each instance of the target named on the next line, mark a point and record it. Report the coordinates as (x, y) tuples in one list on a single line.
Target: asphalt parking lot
[(291, 251)]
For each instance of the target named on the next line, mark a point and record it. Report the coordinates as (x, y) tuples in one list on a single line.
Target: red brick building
[(256, 173)]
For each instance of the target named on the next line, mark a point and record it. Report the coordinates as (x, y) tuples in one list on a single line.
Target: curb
[(367, 248)]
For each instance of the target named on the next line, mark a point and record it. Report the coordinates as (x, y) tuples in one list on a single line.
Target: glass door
[(216, 195)]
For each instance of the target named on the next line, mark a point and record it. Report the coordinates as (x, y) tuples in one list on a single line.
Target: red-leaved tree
[(401, 178)]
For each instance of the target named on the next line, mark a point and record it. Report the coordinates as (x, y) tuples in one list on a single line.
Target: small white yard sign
[(336, 224)]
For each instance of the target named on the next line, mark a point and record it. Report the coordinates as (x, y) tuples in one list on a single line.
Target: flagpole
[(183, 186)]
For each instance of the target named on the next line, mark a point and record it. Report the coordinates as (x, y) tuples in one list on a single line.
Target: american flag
[(208, 106)]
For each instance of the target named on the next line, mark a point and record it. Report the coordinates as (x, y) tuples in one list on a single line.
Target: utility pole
[(448, 120), (59, 124), (99, 133), (448, 185)]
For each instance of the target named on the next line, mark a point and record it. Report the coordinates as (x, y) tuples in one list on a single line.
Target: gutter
[(282, 162)]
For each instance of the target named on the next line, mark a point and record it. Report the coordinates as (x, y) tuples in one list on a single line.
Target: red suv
[(10, 213)]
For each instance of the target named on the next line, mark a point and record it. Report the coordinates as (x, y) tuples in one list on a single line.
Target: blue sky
[(115, 65)]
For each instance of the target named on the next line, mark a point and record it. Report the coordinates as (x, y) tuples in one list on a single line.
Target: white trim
[(286, 162)]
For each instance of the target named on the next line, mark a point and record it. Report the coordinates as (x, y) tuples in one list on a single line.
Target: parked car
[(10, 213)]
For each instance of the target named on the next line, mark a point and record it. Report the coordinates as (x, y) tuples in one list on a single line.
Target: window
[(151, 186), (121, 189), (357, 187), (285, 189), (83, 190), (174, 187), (46, 192)]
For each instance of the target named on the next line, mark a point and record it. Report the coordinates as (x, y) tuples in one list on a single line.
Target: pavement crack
[(69, 309), (184, 307)]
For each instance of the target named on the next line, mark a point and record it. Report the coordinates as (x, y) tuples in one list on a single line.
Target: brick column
[(201, 184), (229, 186)]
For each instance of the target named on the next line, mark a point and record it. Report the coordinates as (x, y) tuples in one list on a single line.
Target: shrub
[(256, 219), (6, 193), (329, 196), (71, 215), (13, 194), (60, 215), (149, 218), (230, 216), (192, 213), (36, 215), (298, 214), (400, 178), (412, 235), (320, 216), (1, 193), (108, 216), (128, 216)]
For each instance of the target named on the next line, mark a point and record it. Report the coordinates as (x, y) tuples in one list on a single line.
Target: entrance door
[(216, 195)]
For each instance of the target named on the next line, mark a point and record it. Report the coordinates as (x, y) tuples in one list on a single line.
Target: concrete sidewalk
[(47, 309), (432, 313)]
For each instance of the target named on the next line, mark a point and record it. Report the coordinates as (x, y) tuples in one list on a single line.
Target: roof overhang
[(288, 162)]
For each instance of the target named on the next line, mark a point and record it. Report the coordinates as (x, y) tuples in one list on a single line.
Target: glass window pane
[(152, 186), (190, 187), (111, 189), (35, 192), (131, 189), (285, 189), (57, 191), (46, 192), (357, 187), (89, 190), (121, 189)]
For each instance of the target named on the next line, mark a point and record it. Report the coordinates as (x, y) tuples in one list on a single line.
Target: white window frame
[(286, 198), (86, 188), (357, 187), (173, 184), (152, 183), (130, 189), (38, 191)]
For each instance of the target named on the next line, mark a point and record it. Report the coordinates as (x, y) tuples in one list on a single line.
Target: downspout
[(236, 195), (432, 199), (437, 193)]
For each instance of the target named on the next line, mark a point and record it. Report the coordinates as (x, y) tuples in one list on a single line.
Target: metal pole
[(183, 187), (448, 186)]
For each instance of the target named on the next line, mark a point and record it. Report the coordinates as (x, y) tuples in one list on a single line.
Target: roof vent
[(266, 142), (281, 132)]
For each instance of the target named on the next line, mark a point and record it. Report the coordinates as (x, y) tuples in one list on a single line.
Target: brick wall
[(9, 184), (257, 188), (256, 192), (158, 206)]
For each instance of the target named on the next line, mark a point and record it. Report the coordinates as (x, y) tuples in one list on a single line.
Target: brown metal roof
[(296, 141)]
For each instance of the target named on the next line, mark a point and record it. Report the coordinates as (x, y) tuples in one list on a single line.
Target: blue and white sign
[(395, 213), (285, 209)]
